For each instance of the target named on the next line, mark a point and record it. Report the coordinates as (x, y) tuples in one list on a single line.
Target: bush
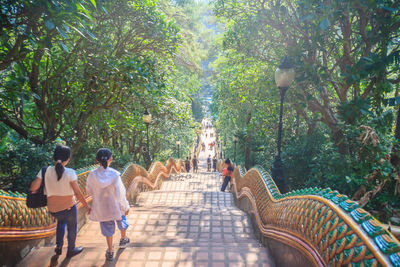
[(120, 160), (313, 161), (20, 161)]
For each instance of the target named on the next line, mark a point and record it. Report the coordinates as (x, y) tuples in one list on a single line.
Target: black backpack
[(38, 199)]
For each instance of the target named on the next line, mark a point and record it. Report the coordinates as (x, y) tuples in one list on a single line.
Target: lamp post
[(235, 139), (147, 121), (284, 76), (178, 143)]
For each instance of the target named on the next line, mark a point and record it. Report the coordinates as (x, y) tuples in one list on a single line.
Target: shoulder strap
[(44, 169)]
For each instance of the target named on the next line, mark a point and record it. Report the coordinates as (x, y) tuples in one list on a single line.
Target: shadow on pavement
[(64, 263), (54, 261), (112, 263)]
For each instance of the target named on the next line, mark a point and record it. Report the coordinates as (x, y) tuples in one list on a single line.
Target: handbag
[(37, 199)]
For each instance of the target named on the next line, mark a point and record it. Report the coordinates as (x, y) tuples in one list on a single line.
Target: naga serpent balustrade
[(324, 226), (22, 228)]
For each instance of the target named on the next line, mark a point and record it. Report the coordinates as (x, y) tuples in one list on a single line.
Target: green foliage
[(85, 71), (345, 55), (106, 62), (354, 110), (20, 161), (313, 160)]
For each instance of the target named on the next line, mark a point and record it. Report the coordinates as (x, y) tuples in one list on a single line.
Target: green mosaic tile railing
[(337, 230)]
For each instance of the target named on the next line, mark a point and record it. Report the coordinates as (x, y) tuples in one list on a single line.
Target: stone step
[(153, 256)]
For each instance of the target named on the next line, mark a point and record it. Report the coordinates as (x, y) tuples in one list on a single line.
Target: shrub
[(20, 161)]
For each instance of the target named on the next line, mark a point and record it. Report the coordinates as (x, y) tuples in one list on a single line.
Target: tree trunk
[(328, 117), (105, 137), (247, 153), (340, 141), (395, 159), (21, 131), (114, 141), (121, 144)]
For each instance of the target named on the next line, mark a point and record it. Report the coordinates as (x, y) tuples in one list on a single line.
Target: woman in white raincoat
[(109, 205)]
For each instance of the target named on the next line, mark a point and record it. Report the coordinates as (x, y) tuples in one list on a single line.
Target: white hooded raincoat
[(109, 195)]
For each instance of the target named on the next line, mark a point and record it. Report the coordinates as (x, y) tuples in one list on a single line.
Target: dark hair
[(227, 161), (103, 155), (62, 153)]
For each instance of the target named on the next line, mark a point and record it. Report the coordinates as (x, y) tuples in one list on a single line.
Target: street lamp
[(284, 76), (147, 121), (235, 139), (178, 143)]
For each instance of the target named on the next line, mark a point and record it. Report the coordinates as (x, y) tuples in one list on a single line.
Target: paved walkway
[(188, 222)]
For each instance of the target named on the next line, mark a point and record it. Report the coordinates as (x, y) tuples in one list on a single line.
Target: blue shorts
[(108, 228)]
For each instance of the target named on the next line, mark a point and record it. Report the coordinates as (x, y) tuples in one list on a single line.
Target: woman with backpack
[(227, 174), (61, 186)]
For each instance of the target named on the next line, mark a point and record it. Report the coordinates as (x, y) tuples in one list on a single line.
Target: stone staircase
[(188, 222)]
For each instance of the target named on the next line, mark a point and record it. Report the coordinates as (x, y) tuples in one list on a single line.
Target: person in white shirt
[(109, 203), (60, 186)]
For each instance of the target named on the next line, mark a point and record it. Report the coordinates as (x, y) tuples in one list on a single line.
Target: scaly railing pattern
[(18, 222), (326, 226)]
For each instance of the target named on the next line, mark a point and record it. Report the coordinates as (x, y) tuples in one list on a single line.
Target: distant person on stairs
[(109, 205), (215, 163), (227, 174), (195, 163), (209, 163), (187, 164)]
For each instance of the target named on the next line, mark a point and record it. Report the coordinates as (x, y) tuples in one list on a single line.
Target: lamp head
[(284, 74), (146, 117)]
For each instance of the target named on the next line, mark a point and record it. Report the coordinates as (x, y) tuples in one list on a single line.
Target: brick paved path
[(186, 223)]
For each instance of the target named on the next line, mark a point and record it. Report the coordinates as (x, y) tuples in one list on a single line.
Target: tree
[(84, 76), (346, 55), (99, 65), (341, 56)]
